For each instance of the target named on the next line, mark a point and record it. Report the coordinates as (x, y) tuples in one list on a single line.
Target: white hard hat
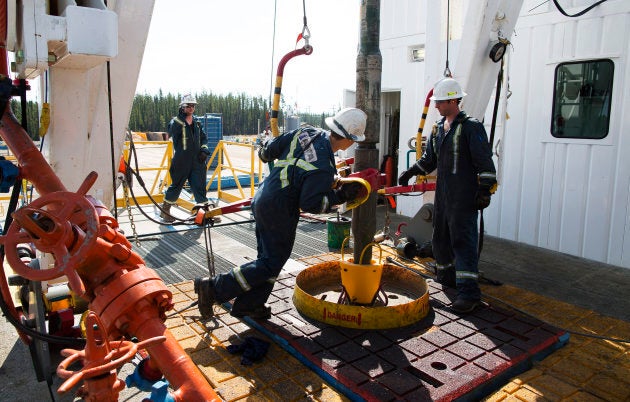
[(186, 99), (348, 123), (446, 89)]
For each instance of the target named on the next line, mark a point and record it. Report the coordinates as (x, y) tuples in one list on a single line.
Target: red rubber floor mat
[(443, 357)]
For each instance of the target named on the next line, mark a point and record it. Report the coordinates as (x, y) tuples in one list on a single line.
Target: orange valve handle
[(62, 223), (99, 357)]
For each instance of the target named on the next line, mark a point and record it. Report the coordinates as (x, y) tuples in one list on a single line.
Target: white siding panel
[(587, 37), (569, 205), (614, 27), (534, 128), (619, 238), (510, 190), (571, 229), (599, 202)]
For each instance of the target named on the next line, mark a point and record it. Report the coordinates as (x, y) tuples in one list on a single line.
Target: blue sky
[(226, 46)]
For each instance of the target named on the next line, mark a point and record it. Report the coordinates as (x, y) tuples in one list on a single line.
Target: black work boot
[(463, 306), (165, 214), (205, 297), (446, 276), (260, 312)]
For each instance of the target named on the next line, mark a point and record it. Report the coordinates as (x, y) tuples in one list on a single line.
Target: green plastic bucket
[(338, 229)]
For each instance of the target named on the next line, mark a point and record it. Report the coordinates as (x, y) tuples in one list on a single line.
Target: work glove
[(262, 154), (253, 350), (349, 191), (202, 156), (414, 170), (482, 198)]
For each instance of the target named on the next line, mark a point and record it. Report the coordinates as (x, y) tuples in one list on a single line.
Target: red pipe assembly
[(129, 298)]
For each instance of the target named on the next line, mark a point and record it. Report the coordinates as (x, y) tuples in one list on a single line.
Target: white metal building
[(564, 149)]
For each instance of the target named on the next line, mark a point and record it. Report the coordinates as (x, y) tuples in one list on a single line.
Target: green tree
[(240, 113), (32, 117)]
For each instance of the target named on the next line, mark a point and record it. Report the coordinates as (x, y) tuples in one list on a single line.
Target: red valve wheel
[(62, 223), (121, 352), (100, 356)]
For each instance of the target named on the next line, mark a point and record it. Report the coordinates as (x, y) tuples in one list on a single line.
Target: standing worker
[(302, 178), (190, 159), (466, 177)]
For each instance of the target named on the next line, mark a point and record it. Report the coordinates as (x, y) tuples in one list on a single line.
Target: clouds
[(219, 46)]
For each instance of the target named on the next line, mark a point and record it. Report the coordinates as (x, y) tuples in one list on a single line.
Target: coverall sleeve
[(203, 138), (316, 193), (175, 132), (481, 154), (428, 160), (276, 147)]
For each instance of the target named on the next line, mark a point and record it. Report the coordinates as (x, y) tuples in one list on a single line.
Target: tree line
[(240, 113)]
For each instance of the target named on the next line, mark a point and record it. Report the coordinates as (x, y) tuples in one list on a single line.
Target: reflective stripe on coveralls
[(466, 275), (442, 267), (238, 275), (458, 132), (184, 139), (242, 281)]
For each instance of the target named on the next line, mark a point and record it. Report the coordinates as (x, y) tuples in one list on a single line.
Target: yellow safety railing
[(233, 160), (227, 171), (154, 159)]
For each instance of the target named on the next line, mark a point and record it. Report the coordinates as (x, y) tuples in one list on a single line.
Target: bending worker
[(190, 158), (458, 147), (301, 179)]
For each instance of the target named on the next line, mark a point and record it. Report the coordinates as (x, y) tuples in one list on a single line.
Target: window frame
[(608, 98)]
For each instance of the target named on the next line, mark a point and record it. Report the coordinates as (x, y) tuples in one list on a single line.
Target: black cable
[(586, 10), (59, 340), (495, 110), (135, 172), (447, 70), (111, 136), (273, 50)]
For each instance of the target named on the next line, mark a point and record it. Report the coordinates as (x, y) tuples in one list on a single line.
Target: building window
[(581, 99)]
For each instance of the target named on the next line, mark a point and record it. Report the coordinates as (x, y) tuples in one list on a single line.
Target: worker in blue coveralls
[(301, 179), (190, 158), (458, 147)]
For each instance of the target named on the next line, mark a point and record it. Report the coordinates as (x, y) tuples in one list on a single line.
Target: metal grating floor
[(311, 237), (181, 256), (178, 256)]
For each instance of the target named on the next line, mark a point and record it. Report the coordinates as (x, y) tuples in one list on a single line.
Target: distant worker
[(301, 179), (190, 158), (458, 147)]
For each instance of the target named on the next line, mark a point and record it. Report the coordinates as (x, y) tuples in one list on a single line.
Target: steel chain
[(128, 206), (387, 222)]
